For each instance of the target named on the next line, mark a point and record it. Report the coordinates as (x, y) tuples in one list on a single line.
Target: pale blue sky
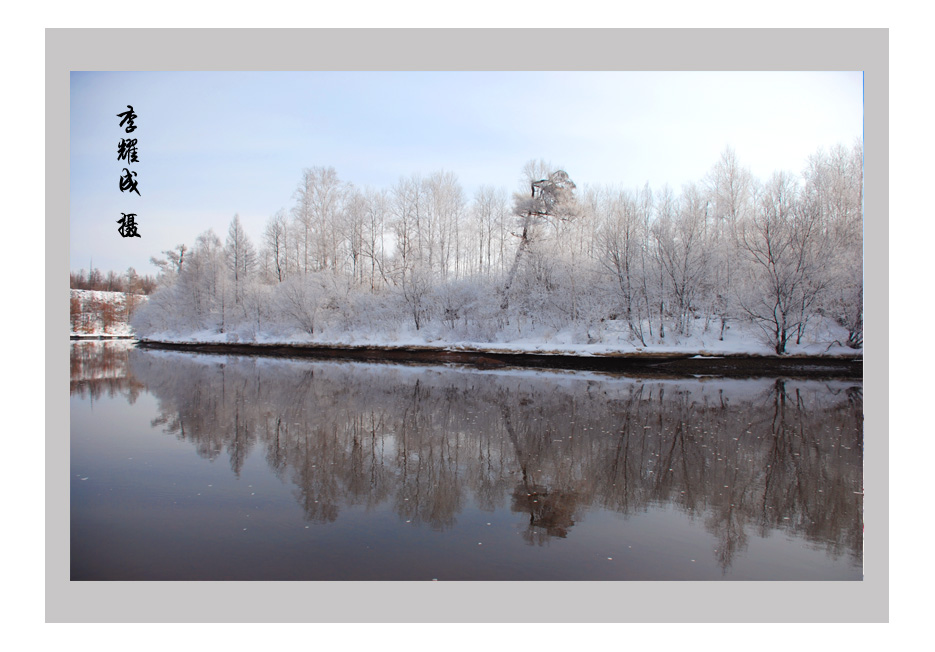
[(212, 144)]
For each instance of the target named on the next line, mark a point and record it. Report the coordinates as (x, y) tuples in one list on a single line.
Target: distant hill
[(96, 313)]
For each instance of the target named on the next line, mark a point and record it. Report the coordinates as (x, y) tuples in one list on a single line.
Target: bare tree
[(621, 238), (729, 186), (445, 201), (490, 211), (683, 253), (240, 257), (300, 298), (416, 288), (351, 232), (834, 190), (374, 230), (318, 199), (407, 208), (275, 237), (784, 248)]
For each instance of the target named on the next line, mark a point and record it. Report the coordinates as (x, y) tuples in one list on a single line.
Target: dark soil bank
[(641, 364)]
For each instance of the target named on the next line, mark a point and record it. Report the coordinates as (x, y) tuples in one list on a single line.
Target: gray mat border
[(487, 49)]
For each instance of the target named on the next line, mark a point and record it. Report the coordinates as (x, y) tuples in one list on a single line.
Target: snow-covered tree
[(373, 243), (416, 289), (784, 256), (785, 250), (240, 258), (490, 212), (276, 241), (551, 198), (171, 265), (622, 240), (834, 190), (300, 298), (684, 254), (318, 205), (729, 185)]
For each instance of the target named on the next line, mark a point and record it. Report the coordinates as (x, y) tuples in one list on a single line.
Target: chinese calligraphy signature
[(127, 151)]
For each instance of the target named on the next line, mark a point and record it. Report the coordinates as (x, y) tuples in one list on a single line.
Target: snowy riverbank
[(593, 358), (824, 340)]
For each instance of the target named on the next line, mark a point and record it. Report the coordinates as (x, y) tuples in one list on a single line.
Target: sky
[(215, 144)]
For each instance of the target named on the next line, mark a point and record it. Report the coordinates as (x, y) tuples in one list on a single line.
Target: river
[(189, 466)]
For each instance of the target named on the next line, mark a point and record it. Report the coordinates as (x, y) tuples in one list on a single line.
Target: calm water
[(196, 467)]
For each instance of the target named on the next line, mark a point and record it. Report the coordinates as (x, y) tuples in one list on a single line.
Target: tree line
[(130, 281), (777, 256)]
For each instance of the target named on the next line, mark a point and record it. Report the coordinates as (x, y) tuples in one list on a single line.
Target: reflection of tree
[(276, 445), (551, 513), (428, 464), (100, 367), (813, 482), (742, 456), (551, 507), (316, 490)]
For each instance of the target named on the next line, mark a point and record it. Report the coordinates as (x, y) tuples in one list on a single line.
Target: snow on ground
[(823, 338), (101, 314)]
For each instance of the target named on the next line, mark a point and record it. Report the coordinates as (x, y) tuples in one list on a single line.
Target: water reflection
[(743, 458), (100, 368)]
